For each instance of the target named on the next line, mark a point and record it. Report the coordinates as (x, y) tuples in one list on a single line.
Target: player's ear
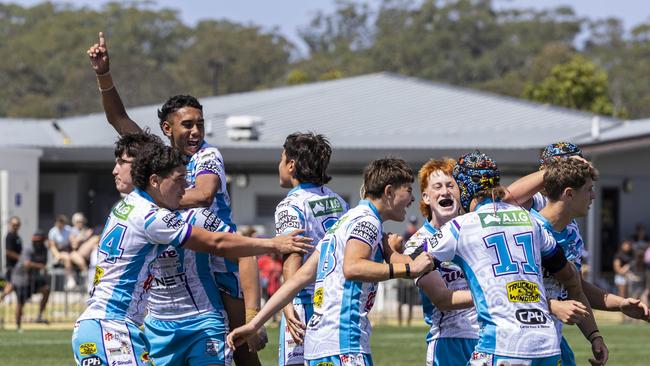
[(389, 191), (568, 192), (425, 198), (166, 127), (154, 180)]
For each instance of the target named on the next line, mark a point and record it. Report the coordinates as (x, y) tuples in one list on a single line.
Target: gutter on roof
[(628, 143)]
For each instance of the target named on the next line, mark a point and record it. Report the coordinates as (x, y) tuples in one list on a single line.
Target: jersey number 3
[(111, 243), (505, 263)]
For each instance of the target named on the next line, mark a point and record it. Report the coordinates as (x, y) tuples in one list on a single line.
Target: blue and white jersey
[(499, 247), (183, 284), (311, 208), (444, 324), (208, 160), (136, 232), (340, 322)]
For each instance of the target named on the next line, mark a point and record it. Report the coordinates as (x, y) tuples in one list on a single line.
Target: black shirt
[(15, 244)]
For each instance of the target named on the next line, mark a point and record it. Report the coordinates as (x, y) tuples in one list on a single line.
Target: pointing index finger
[(102, 40)]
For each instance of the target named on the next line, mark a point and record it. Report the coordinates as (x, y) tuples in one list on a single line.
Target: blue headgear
[(475, 172), (560, 149)]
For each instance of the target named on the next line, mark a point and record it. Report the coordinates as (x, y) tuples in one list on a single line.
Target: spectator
[(640, 239), (646, 293), (30, 277), (59, 243), (82, 242), (623, 261), (13, 248)]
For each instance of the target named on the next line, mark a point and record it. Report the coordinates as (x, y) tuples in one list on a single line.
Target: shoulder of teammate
[(548, 245), (289, 215), (417, 242), (539, 201), (163, 226), (443, 245), (209, 160)]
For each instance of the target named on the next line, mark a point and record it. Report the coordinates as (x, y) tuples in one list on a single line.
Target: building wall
[(19, 192), (65, 189)]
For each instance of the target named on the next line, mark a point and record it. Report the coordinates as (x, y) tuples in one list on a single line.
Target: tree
[(577, 84)]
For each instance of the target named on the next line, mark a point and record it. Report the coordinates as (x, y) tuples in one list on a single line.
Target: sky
[(289, 15)]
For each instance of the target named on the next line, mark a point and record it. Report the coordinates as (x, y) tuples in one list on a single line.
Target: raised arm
[(111, 101), (225, 244), (521, 191)]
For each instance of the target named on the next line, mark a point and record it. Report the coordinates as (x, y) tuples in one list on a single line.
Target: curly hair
[(445, 165), (175, 103), (155, 159), (560, 174), (311, 153), (131, 143), (382, 172)]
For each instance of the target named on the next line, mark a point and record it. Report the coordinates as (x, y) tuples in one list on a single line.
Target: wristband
[(107, 89), (408, 270), (391, 272), (250, 314)]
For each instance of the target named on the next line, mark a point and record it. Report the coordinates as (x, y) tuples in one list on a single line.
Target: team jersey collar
[(485, 202), (427, 225), (547, 224), (303, 186), (144, 195), (204, 144), (372, 207)]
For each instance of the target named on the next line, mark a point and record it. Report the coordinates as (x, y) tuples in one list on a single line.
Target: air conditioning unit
[(243, 128)]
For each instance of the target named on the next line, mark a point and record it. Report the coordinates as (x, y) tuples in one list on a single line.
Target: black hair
[(155, 159), (131, 143), (311, 153), (175, 103)]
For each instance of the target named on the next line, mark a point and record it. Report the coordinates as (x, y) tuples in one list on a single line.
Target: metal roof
[(379, 111)]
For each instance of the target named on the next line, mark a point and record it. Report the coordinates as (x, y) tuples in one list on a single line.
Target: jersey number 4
[(111, 243), (505, 263)]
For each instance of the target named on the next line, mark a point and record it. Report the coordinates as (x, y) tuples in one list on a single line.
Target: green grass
[(629, 345)]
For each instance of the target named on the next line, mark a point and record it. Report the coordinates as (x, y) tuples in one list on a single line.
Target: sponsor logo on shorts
[(319, 296), (325, 364), (99, 272), (530, 316), (505, 218), (122, 363), (86, 349), (212, 347), (314, 320), (523, 291), (325, 206), (122, 210), (108, 336), (91, 361)]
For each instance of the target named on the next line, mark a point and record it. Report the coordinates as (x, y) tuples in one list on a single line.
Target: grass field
[(629, 345)]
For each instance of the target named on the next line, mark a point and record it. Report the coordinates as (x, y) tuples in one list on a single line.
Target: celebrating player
[(447, 304), (565, 183), (309, 206), (499, 247), (347, 265), (181, 119), (107, 331)]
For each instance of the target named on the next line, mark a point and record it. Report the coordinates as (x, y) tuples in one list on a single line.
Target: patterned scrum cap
[(475, 172), (560, 149)]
